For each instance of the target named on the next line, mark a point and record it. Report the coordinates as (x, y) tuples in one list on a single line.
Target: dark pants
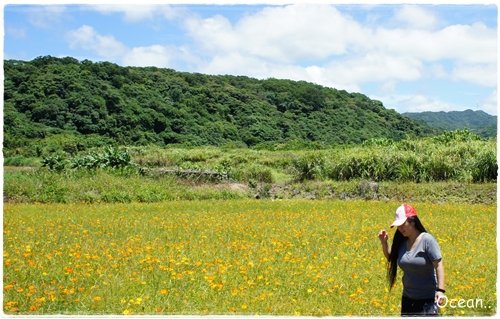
[(410, 307)]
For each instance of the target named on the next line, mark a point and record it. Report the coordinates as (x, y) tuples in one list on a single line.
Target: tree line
[(106, 103)]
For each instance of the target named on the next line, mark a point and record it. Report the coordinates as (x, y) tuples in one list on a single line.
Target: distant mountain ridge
[(479, 122)]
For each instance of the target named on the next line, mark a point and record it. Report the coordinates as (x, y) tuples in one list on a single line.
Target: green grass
[(106, 186), (246, 257), (113, 187)]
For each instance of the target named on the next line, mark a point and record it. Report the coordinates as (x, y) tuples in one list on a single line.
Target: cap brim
[(398, 222)]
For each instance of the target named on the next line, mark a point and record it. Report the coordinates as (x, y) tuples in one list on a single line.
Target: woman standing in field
[(419, 256)]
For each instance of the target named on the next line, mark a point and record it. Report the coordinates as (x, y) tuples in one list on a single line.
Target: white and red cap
[(402, 213)]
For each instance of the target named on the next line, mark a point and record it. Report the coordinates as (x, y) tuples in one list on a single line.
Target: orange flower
[(97, 298)]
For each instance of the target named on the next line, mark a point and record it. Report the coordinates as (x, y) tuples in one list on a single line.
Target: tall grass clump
[(253, 173), (310, 166), (425, 160), (485, 166)]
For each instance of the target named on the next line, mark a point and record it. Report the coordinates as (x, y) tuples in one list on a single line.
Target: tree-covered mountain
[(143, 105), (479, 122)]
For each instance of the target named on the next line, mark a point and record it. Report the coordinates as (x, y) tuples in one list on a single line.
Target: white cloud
[(376, 67), (279, 34), (481, 74), (172, 13), (132, 13), (15, 32), (388, 86), (88, 39), (160, 56), (413, 103), (236, 63), (46, 16), (215, 35), (437, 70), (155, 55), (420, 103), (415, 17), (490, 103), (468, 44)]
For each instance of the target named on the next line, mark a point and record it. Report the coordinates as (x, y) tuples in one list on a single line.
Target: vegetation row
[(156, 173), (458, 155)]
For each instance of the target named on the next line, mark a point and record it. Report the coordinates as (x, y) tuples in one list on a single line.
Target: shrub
[(56, 162), (309, 166)]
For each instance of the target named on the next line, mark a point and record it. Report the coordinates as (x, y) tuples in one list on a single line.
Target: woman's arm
[(438, 265)]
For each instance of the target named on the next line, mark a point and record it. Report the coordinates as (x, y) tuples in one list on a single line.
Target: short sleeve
[(432, 248)]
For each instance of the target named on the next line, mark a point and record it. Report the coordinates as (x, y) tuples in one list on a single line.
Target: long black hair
[(397, 241)]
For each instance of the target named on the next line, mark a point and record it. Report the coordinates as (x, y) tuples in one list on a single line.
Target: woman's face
[(407, 228)]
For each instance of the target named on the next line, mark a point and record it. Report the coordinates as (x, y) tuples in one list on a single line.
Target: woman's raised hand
[(383, 236)]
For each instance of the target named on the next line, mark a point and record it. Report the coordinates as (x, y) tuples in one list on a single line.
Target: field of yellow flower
[(293, 257)]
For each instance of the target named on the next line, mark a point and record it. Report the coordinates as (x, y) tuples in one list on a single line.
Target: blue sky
[(413, 58)]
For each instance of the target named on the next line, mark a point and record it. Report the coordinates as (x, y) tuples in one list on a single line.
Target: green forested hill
[(139, 106), (479, 122)]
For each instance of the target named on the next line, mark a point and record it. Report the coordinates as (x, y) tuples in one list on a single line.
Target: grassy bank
[(22, 185)]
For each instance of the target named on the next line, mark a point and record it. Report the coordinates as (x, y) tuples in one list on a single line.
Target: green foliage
[(56, 162), (457, 136), (71, 105), (378, 142), (109, 157)]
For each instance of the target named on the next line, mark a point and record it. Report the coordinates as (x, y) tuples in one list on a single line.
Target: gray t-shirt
[(419, 279)]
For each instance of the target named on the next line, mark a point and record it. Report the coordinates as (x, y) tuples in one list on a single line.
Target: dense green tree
[(133, 105)]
